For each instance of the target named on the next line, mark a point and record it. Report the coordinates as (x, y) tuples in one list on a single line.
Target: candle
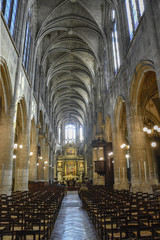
[(119, 176), (139, 165), (123, 176), (145, 171)]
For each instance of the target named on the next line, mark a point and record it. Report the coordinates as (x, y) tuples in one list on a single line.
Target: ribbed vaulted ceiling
[(68, 40)]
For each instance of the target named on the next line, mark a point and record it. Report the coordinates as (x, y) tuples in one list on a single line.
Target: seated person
[(63, 184), (83, 188)]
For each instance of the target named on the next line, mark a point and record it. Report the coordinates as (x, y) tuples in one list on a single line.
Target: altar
[(70, 164)]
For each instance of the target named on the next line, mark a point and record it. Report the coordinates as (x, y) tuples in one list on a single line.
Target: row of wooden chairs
[(30, 215), (122, 214)]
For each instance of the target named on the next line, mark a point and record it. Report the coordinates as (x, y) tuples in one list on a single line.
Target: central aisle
[(73, 222)]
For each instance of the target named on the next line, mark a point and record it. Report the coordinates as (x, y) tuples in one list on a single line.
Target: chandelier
[(153, 131)]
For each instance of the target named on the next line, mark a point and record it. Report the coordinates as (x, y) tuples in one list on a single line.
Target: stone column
[(55, 166), (50, 164), (6, 150), (85, 166), (21, 166), (120, 163), (46, 163), (138, 154), (41, 159), (77, 167), (51, 178), (151, 165), (90, 163), (33, 162)]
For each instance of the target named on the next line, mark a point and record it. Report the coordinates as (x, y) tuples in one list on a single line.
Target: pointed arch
[(5, 85), (141, 69)]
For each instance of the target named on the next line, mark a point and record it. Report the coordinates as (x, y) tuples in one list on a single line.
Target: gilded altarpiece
[(70, 165)]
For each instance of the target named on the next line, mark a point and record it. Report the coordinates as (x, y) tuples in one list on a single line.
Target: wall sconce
[(31, 154), (110, 154), (124, 145), (15, 146)]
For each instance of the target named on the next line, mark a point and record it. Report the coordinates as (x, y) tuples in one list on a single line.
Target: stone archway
[(150, 109), (6, 129), (144, 109)]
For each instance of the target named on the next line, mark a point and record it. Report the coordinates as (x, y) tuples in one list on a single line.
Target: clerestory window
[(135, 9), (81, 134), (59, 135), (27, 42), (9, 10), (115, 44)]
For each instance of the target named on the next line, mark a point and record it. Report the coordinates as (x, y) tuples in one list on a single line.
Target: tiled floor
[(73, 222)]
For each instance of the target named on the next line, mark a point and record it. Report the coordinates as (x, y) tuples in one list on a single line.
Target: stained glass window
[(113, 15), (13, 19), (135, 9), (28, 50), (114, 53), (25, 43), (9, 9), (70, 133), (115, 44), (59, 135), (2, 3), (129, 19), (141, 7), (81, 133)]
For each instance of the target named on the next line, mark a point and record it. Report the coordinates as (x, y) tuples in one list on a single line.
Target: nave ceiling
[(69, 38)]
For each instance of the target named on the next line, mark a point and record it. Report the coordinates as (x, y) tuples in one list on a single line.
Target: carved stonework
[(70, 165)]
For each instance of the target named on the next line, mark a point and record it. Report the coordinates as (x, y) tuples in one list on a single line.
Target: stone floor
[(73, 222)]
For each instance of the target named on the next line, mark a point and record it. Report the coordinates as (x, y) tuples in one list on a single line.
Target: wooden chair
[(25, 235)]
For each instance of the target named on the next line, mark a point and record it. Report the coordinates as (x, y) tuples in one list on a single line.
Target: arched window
[(9, 10), (27, 42), (115, 44), (70, 133), (59, 135), (135, 9), (81, 133)]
